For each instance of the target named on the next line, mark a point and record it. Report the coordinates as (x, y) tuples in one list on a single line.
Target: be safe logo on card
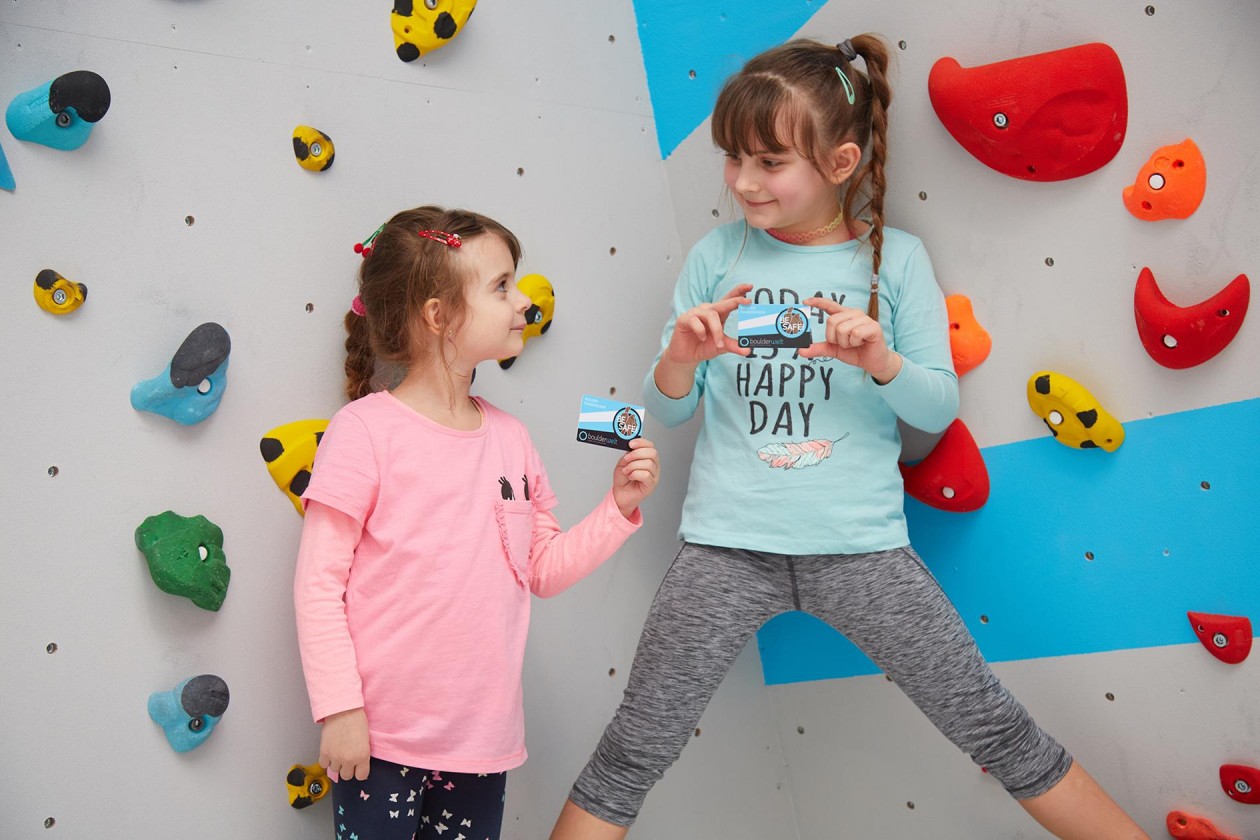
[(774, 325), (606, 422)]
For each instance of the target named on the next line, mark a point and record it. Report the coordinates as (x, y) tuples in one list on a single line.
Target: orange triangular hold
[(969, 343), (953, 476)]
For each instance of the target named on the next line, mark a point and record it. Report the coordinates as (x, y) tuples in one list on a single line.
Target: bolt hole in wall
[(53, 472), (52, 647), (1089, 555), (189, 220), (612, 392), (310, 307), (1110, 697)]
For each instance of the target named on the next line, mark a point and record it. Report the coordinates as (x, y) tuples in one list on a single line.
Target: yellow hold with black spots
[(289, 451), (56, 294), (313, 148), (421, 26), (542, 309), (1072, 414)]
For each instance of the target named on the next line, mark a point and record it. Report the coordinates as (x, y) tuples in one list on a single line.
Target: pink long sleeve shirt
[(420, 549)]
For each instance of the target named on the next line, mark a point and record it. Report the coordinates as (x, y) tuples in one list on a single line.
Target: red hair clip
[(451, 240)]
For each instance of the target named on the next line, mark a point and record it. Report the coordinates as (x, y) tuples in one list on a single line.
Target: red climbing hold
[(953, 476), (1045, 117), (1227, 637), (1241, 783), (1184, 336), (1188, 827)]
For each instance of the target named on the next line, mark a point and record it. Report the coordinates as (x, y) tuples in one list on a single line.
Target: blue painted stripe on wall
[(1161, 545), (713, 38)]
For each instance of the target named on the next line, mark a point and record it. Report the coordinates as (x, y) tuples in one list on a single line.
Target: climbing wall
[(1077, 574), (185, 206)]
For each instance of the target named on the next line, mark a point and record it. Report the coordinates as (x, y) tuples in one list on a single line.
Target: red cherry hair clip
[(451, 240), (365, 247)]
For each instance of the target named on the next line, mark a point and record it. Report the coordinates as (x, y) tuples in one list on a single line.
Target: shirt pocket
[(516, 533)]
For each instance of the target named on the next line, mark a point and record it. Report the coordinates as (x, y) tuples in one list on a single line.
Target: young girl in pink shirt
[(427, 528)]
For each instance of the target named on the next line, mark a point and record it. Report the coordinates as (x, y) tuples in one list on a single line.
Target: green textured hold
[(186, 558)]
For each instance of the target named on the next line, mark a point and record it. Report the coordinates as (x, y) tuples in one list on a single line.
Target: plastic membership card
[(609, 423), (774, 325)]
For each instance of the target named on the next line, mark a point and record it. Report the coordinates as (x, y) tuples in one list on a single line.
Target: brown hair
[(403, 271), (798, 82)]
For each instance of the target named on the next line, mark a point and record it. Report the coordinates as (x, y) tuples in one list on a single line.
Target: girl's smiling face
[(781, 190), (495, 319)]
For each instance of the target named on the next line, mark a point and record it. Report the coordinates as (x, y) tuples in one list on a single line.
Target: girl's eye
[(772, 164)]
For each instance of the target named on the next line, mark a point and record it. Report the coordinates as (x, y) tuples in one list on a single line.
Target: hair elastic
[(451, 240), (357, 307)]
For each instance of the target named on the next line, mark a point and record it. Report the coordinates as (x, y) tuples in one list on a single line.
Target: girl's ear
[(844, 161), (431, 314)]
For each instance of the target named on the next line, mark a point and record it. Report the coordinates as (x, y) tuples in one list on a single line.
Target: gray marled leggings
[(887, 603)]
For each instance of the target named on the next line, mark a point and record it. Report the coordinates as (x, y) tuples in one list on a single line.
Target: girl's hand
[(698, 336), (855, 339), (635, 476), (699, 332), (343, 745)]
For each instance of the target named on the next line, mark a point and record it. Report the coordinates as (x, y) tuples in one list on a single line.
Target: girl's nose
[(522, 300)]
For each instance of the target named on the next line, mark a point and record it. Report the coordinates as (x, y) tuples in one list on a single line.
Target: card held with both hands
[(774, 325), (605, 422)]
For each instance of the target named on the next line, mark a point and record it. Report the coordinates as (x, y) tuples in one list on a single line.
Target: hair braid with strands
[(796, 84)]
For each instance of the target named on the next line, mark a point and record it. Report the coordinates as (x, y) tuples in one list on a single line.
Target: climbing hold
[(191, 387), (185, 556), (953, 476), (1071, 413), (307, 784), (189, 712), (313, 148), (1180, 337), (969, 343), (541, 309), (56, 294), (6, 174), (424, 29), (1188, 827), (1045, 117), (1170, 185), (60, 113), (289, 451), (1227, 637), (1241, 783)]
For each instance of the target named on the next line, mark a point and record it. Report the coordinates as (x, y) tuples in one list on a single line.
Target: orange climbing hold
[(969, 343), (953, 476), (1188, 827), (1170, 185)]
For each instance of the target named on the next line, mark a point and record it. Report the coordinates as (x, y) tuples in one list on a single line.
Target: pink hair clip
[(357, 307), (451, 240)]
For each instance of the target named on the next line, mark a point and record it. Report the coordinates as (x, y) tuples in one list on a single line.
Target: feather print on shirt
[(797, 456)]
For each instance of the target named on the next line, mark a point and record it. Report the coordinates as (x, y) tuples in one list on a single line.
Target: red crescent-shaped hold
[(1227, 637), (1185, 826), (953, 476), (1241, 783), (1045, 117), (1180, 337)]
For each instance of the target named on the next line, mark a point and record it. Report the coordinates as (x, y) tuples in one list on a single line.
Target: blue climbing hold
[(191, 387), (60, 113), (189, 712)]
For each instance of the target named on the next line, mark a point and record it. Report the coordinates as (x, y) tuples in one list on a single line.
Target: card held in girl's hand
[(606, 422), (774, 325)]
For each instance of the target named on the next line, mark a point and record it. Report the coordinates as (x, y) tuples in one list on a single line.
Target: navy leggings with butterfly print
[(396, 802), (887, 603)]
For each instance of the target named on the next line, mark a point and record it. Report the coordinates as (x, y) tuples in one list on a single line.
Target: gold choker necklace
[(801, 238)]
